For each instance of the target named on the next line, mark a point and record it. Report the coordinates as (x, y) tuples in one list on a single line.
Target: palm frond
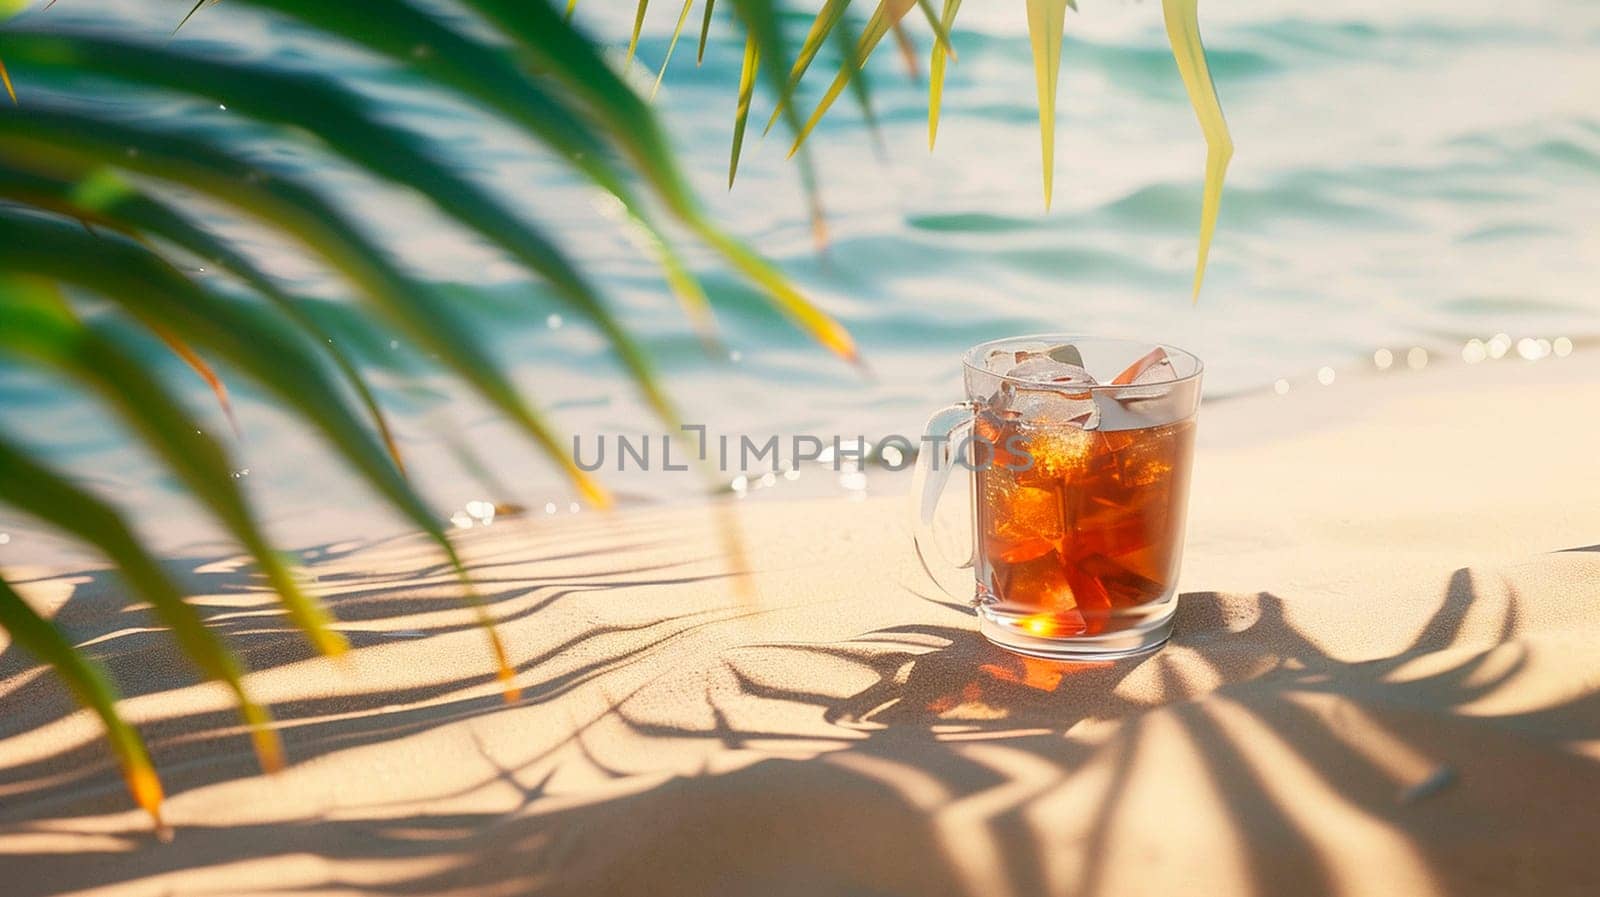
[(747, 90), (936, 68), (87, 214), (846, 37), (205, 372), (1046, 20), (628, 120), (825, 23), (455, 62), (68, 159), (638, 25), (1183, 31), (761, 20), (705, 31), (190, 14), (887, 14), (49, 496), (936, 24), (92, 688), (42, 329), (666, 60), (102, 196), (297, 211), (346, 125), (5, 79)]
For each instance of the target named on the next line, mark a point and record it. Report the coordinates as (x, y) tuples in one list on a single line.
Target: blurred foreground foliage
[(89, 207)]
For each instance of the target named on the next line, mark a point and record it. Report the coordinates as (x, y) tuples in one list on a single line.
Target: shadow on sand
[(957, 769)]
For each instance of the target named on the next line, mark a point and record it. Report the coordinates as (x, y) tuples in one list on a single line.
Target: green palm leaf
[(45, 494), (671, 45), (705, 30), (92, 688), (579, 68), (260, 345), (106, 234), (747, 90), (940, 29), (885, 16), (847, 38), (1046, 20), (111, 201), (203, 369), (190, 14), (638, 24), (493, 81), (824, 24), (1183, 31), (45, 331), (46, 134), (343, 121), (762, 22), (936, 68)]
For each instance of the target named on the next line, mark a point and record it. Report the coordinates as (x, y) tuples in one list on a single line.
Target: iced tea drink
[(1078, 528), (1080, 451)]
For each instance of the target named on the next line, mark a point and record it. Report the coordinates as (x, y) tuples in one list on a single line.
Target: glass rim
[(970, 362)]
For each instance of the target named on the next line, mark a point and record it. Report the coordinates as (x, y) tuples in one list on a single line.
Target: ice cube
[(1143, 397), (1048, 407), (1124, 586), (1054, 454), (1149, 460), (1067, 353), (1039, 367), (998, 361), (1153, 367), (991, 442), (1122, 412), (1022, 523), (1038, 585)]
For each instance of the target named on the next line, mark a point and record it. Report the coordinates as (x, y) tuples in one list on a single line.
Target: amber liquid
[(1075, 544)]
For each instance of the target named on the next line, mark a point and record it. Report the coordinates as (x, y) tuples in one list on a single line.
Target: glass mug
[(1080, 450)]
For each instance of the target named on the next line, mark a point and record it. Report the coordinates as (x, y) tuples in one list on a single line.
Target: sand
[(1384, 681)]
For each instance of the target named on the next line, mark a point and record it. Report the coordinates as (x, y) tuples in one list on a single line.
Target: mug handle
[(945, 435)]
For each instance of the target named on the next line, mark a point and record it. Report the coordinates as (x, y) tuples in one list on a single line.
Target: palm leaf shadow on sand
[(1298, 697), (951, 753), (137, 651)]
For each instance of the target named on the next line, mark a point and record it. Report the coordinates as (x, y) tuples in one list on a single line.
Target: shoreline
[(34, 548)]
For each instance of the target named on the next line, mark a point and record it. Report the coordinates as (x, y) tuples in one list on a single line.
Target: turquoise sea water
[(1413, 174)]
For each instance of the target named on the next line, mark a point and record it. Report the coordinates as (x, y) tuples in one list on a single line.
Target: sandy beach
[(1383, 682)]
